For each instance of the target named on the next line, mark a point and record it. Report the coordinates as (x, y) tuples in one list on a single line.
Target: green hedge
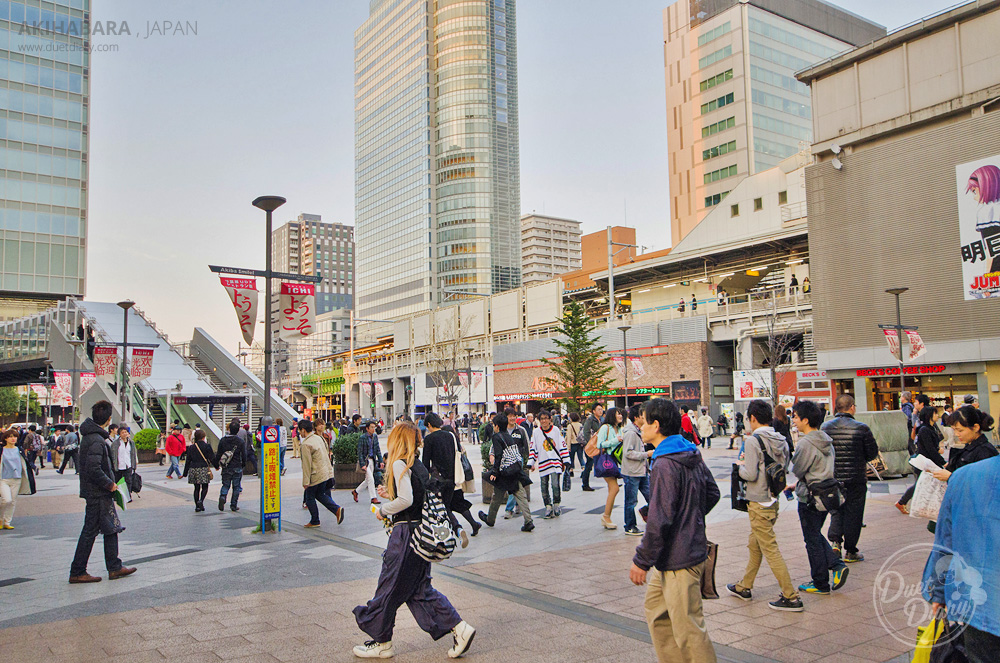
[(145, 440), (484, 449), (345, 449)]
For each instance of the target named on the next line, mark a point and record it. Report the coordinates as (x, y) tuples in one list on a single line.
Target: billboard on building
[(687, 393), (979, 226), (748, 385)]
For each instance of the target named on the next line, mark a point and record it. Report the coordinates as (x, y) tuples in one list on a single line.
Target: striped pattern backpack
[(433, 539)]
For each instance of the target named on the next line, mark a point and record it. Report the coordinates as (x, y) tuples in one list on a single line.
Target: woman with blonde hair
[(405, 576)]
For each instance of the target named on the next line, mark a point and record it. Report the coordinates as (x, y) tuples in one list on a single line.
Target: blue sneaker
[(840, 575), (811, 589)]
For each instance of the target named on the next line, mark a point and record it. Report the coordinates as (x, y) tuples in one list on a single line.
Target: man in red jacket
[(175, 446)]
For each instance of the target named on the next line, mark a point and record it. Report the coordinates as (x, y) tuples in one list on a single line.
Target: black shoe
[(744, 594), (233, 508), (588, 489), (527, 527), (59, 471), (485, 518), (222, 503), (788, 605), (197, 507), (475, 528)]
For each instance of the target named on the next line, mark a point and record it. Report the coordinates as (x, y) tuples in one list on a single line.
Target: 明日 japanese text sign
[(105, 361), (297, 311), (141, 363), (243, 294), (979, 227)]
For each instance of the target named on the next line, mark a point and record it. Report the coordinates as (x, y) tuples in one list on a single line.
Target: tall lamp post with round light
[(123, 388), (268, 204)]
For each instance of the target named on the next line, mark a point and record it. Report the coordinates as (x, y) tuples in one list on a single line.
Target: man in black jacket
[(507, 473), (682, 493), (854, 447), (97, 487), (232, 472)]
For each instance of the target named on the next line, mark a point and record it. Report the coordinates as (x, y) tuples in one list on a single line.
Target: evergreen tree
[(581, 362)]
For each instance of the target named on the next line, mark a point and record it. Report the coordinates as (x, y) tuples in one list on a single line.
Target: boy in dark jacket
[(97, 487), (232, 472), (505, 455), (682, 493)]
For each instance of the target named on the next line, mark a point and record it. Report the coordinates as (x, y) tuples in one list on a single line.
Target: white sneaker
[(463, 634), (372, 649)]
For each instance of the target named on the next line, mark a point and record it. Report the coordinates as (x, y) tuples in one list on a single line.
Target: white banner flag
[(477, 378), (64, 382), (141, 364), (243, 294), (286, 392), (637, 366), (41, 392), (463, 377), (379, 389), (892, 338), (297, 311), (106, 361), (368, 388), (87, 381), (619, 364), (917, 347)]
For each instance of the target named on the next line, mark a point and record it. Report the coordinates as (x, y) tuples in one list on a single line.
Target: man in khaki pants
[(763, 508), (674, 548)]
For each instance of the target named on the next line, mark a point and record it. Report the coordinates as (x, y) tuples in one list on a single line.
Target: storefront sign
[(907, 370), (810, 375), (752, 384), (270, 479), (652, 391), (534, 396), (979, 226)]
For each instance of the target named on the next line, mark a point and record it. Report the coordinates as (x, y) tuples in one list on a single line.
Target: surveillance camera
[(835, 148), (838, 164)]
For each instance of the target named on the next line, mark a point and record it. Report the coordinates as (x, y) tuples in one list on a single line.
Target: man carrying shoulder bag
[(763, 468)]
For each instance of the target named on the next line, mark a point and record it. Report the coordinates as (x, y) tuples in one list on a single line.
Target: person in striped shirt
[(549, 454)]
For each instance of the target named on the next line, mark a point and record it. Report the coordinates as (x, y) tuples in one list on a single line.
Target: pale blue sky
[(186, 130)]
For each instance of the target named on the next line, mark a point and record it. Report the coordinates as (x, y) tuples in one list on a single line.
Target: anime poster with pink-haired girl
[(979, 226)]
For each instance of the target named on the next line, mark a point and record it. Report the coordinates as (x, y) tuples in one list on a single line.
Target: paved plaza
[(208, 589)]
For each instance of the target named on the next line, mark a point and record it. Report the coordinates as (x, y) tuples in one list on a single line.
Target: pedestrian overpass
[(197, 369)]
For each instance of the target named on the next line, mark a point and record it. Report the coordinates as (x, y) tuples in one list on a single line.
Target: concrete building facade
[(734, 107), (907, 140), (550, 246)]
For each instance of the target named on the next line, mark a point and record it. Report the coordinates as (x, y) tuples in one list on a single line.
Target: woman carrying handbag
[(607, 464), (198, 469)]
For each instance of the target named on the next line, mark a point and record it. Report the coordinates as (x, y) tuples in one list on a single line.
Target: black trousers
[(586, 472), (67, 455), (980, 646), (822, 559), (845, 525), (95, 512)]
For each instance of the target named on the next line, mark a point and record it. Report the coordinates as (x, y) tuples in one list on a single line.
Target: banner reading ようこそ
[(243, 294), (297, 311)]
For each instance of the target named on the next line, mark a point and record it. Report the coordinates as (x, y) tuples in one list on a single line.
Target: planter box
[(147, 456), (347, 476), (488, 491)]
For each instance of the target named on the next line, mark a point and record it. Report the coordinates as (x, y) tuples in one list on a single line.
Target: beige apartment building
[(905, 193), (550, 246), (734, 107)]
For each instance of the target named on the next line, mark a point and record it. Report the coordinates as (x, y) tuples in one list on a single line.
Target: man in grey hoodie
[(763, 508), (813, 461)]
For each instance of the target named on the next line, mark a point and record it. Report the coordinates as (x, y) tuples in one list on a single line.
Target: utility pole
[(899, 328), (612, 308)]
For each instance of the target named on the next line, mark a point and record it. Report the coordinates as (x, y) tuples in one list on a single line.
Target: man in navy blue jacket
[(682, 492)]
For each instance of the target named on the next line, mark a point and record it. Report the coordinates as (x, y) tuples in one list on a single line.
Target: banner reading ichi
[(141, 363), (106, 361), (243, 293), (297, 311)]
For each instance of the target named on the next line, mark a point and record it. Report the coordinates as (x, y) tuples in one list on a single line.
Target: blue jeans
[(234, 479), (320, 493), (174, 466), (634, 486), (510, 504), (576, 453), (281, 459)]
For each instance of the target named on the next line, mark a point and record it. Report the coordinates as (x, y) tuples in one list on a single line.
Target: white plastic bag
[(927, 497)]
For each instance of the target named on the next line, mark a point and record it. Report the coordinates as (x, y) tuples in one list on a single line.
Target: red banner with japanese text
[(87, 381), (106, 361), (297, 311), (917, 347), (243, 294), (141, 364), (892, 338)]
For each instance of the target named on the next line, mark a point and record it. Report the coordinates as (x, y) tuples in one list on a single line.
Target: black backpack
[(777, 480)]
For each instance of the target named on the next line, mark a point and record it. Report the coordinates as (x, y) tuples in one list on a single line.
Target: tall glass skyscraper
[(44, 117), (436, 154)]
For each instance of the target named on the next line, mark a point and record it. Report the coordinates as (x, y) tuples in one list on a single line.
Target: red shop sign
[(907, 370)]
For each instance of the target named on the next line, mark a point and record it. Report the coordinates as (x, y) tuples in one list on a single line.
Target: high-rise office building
[(550, 246), (436, 154), (734, 107), (308, 245), (44, 119)]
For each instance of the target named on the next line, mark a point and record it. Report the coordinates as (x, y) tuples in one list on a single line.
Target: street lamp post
[(75, 343), (468, 376), (899, 338), (268, 204), (123, 388), (624, 329)]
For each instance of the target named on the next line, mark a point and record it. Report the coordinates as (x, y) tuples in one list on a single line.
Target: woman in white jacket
[(705, 428)]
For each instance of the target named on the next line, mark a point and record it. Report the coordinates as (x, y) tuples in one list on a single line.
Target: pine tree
[(580, 364)]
